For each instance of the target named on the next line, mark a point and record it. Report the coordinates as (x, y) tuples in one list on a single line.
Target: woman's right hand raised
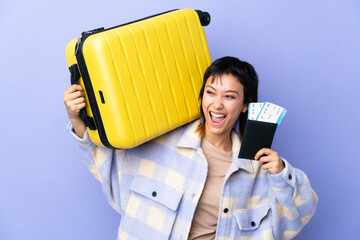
[(75, 101)]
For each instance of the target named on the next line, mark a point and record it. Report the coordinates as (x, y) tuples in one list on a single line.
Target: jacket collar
[(191, 139)]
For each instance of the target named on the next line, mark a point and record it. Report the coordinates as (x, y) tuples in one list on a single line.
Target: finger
[(273, 167), (70, 90), (265, 159), (74, 95), (76, 107), (77, 101), (71, 104), (263, 151), (268, 168), (77, 94), (79, 107), (73, 88), (267, 171)]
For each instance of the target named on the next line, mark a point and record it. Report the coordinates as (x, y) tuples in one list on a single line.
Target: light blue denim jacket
[(157, 185)]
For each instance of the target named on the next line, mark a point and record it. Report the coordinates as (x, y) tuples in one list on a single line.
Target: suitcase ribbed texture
[(146, 76)]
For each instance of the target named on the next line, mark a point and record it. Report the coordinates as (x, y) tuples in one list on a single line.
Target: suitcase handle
[(74, 78)]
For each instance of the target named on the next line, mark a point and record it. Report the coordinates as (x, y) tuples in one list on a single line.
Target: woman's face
[(222, 103)]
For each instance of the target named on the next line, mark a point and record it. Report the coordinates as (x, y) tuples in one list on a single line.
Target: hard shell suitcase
[(141, 79)]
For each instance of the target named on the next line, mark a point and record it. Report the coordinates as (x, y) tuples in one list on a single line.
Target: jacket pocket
[(250, 219), (151, 209), (157, 191)]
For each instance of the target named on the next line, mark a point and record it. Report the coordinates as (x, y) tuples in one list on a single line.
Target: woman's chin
[(215, 129)]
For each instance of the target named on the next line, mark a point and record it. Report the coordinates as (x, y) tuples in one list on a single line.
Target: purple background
[(307, 56)]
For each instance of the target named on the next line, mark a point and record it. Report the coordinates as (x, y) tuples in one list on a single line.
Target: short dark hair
[(242, 71)]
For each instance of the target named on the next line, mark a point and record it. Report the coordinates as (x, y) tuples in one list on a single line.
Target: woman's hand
[(74, 101), (271, 162)]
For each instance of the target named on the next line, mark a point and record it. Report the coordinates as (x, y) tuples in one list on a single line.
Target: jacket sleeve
[(293, 201), (103, 164)]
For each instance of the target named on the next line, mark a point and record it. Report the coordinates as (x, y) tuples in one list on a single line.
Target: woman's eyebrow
[(227, 91), (210, 87), (232, 91)]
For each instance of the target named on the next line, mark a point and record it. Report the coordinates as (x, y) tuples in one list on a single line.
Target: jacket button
[(154, 194), (290, 177), (226, 210), (253, 224)]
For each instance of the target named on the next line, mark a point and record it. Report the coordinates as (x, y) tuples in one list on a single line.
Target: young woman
[(189, 183)]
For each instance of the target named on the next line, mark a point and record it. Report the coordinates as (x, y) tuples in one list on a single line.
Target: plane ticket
[(254, 110), (266, 112)]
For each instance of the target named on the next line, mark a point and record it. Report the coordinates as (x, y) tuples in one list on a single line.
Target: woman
[(189, 183)]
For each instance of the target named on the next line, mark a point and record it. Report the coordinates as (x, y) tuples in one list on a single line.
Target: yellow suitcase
[(141, 79)]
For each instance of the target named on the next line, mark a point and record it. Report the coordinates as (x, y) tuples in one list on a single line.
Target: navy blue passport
[(257, 135)]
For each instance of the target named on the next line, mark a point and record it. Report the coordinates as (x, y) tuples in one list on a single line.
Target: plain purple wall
[(307, 56)]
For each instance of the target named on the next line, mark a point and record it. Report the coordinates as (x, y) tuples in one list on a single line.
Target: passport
[(263, 120)]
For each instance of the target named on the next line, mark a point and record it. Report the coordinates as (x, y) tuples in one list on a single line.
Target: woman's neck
[(222, 142)]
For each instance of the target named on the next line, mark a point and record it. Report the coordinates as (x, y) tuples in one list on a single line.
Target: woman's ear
[(245, 108)]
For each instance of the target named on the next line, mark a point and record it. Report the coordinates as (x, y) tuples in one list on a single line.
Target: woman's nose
[(218, 104)]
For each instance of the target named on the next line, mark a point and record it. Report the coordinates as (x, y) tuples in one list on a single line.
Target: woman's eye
[(229, 97), (210, 92)]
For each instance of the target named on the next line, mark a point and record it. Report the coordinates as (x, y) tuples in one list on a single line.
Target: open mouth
[(217, 117)]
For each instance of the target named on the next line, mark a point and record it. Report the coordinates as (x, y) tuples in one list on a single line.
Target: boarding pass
[(266, 112)]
